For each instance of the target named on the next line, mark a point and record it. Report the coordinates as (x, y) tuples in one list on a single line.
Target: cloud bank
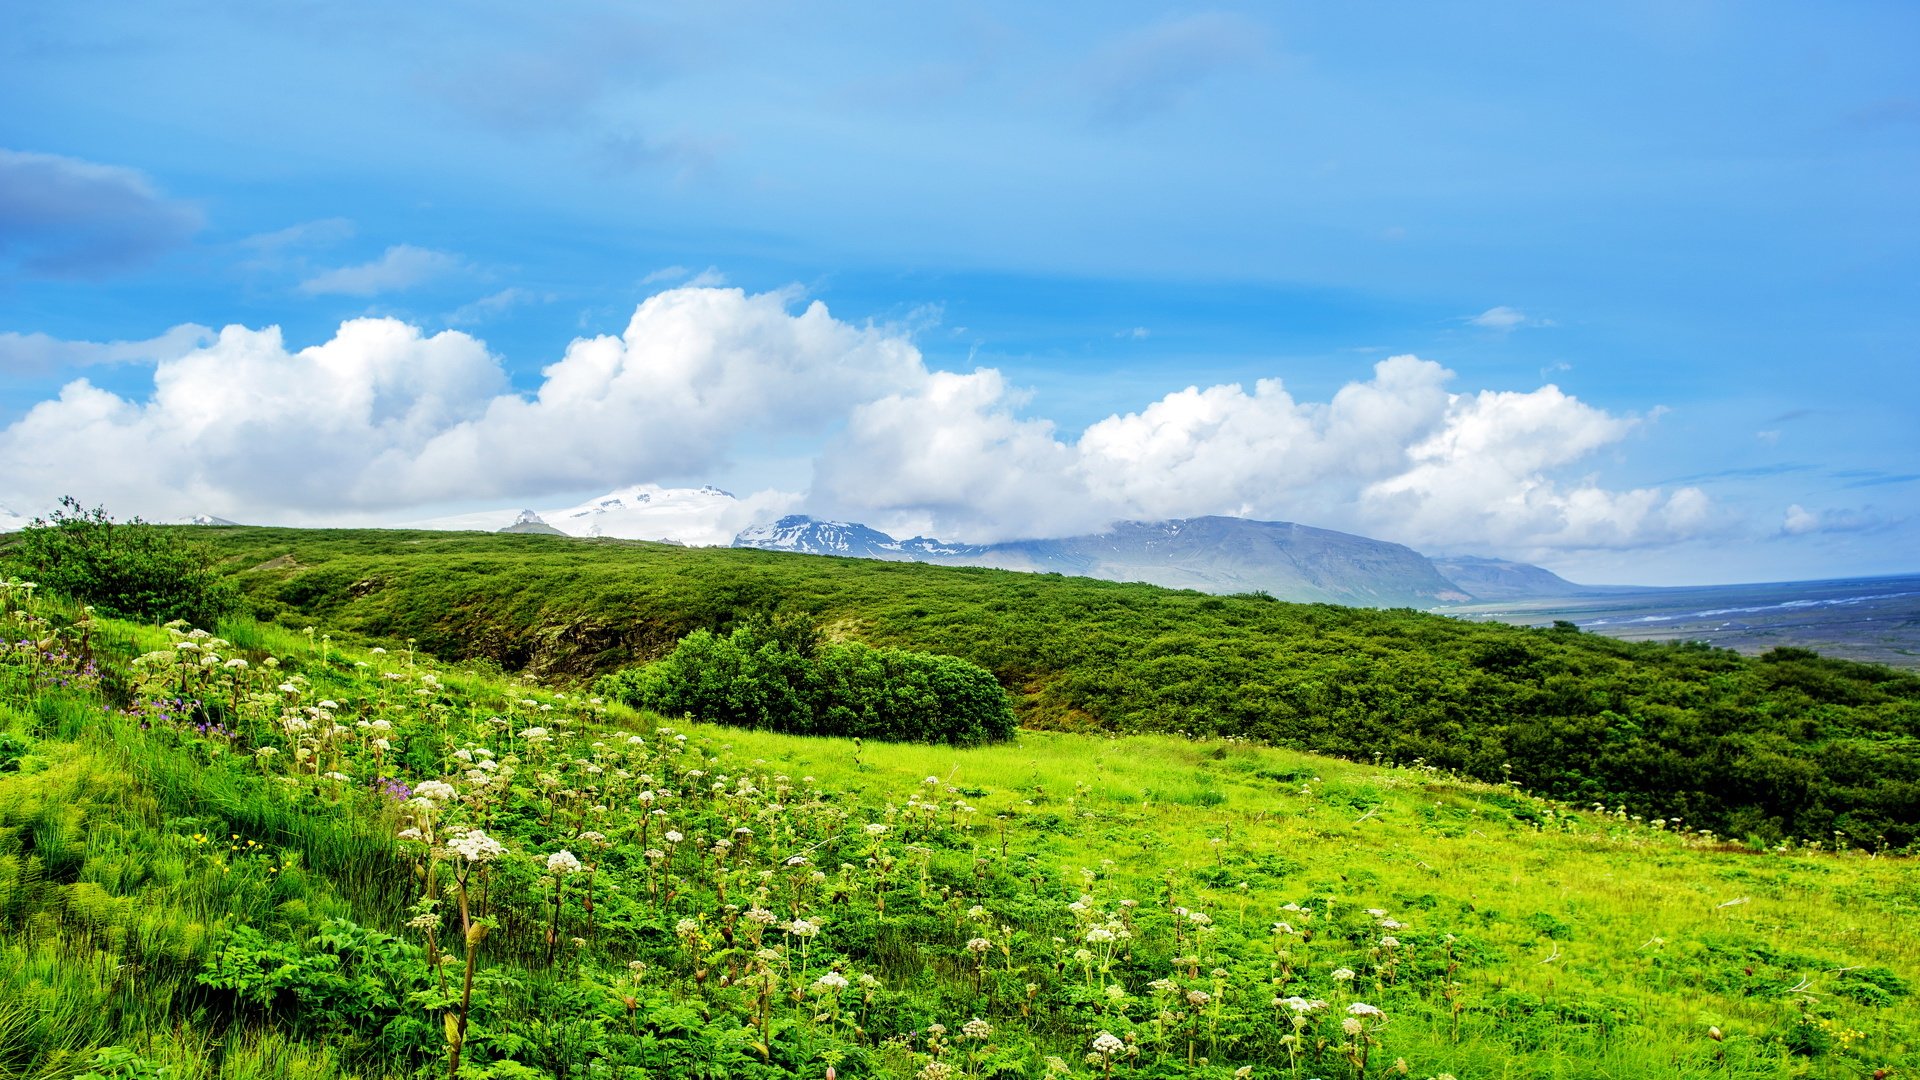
[(385, 417)]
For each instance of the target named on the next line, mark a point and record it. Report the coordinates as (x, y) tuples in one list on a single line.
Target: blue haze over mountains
[(1874, 620), (1211, 554)]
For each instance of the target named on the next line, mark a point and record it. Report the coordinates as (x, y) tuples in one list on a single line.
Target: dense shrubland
[(768, 677), (124, 569), (1786, 745), (264, 854)]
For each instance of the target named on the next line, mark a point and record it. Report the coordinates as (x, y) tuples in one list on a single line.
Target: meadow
[(1785, 746), (262, 852)]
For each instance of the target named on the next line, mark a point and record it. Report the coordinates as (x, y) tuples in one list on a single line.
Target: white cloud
[(665, 274), (1397, 456), (492, 306), (1500, 318), (402, 266), (26, 353), (1801, 522), (385, 417)]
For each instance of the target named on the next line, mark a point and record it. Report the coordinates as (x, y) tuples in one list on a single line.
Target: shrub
[(757, 677), (125, 569)]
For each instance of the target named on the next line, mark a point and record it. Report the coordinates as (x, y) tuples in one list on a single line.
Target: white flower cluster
[(563, 862), (476, 846)]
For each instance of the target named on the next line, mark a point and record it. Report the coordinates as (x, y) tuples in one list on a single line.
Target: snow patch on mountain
[(701, 517)]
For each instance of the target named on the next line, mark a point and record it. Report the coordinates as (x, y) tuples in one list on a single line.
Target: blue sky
[(1695, 219)]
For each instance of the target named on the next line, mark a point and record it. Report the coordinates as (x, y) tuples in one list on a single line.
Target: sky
[(1631, 291)]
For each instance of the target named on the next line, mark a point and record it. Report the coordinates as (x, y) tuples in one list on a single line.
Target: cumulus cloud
[(64, 217), (385, 417), (33, 353), (400, 267), (1398, 456)]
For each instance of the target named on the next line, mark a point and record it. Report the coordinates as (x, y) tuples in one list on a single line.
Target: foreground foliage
[(1787, 745), (265, 855)]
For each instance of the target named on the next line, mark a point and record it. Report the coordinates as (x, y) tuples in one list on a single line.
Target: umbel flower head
[(563, 862), (476, 846)]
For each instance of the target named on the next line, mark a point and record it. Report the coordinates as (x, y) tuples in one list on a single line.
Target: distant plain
[(1874, 619)]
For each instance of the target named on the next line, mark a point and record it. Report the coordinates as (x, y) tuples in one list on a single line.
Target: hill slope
[(1785, 745), (705, 902)]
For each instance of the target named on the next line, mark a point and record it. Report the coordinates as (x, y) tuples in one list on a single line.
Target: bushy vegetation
[(261, 854), (760, 677), (1790, 745), (124, 569)]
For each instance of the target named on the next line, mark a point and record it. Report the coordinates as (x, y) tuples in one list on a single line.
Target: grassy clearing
[(168, 889)]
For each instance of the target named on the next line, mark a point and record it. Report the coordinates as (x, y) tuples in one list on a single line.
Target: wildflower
[(1390, 942), (435, 791), (1361, 1008), (832, 982), (1198, 998), (476, 846), (978, 945), (975, 1028), (1106, 1044), (875, 829), (674, 836), (803, 928), (1342, 974), (563, 862), (797, 860), (1351, 1025), (409, 834)]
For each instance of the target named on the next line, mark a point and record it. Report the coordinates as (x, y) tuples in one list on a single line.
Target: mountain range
[(1210, 554)]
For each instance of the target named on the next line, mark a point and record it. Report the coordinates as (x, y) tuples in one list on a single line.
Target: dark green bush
[(125, 569), (760, 677)]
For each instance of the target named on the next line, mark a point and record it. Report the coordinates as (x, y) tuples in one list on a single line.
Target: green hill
[(269, 855), (1787, 745)]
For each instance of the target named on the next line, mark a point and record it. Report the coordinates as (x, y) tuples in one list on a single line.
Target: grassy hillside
[(1788, 745), (225, 869)]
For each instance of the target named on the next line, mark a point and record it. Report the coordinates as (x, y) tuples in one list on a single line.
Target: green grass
[(1785, 746), (171, 893)]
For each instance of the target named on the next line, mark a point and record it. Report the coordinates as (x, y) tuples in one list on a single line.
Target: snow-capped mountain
[(704, 516), (1212, 554), (797, 532), (204, 519), (10, 521)]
